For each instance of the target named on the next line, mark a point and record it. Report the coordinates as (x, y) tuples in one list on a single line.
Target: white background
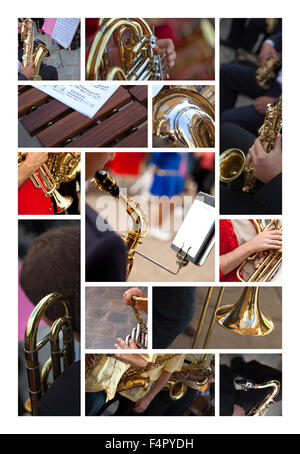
[(289, 422)]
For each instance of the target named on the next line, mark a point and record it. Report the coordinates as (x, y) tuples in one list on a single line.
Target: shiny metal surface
[(183, 118)]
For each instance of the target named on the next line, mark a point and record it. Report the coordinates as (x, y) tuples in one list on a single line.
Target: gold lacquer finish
[(132, 237), (262, 408), (267, 72), (233, 169), (272, 261), (124, 49), (245, 317), (183, 118), (59, 168), (33, 51), (38, 381)]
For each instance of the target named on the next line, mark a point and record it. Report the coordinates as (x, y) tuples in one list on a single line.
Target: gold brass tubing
[(203, 314), (212, 322)]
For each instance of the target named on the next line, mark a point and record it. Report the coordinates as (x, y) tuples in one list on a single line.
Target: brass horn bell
[(183, 118), (245, 317)]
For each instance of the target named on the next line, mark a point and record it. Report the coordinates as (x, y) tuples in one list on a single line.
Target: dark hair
[(52, 264)]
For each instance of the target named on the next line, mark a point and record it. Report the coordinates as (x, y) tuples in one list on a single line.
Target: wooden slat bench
[(121, 122)]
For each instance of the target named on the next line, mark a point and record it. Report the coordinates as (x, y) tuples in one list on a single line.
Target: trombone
[(38, 381), (243, 317)]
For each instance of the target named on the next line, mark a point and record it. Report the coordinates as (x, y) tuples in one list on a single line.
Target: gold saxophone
[(33, 51), (196, 374), (139, 334), (137, 59), (233, 169), (271, 262), (267, 72), (59, 168), (262, 408)]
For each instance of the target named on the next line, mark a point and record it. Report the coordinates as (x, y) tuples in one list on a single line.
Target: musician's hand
[(258, 262), (269, 239), (141, 405), (122, 345), (90, 360), (166, 46), (238, 411), (267, 51), (28, 72), (266, 165), (127, 298), (34, 160), (260, 103)]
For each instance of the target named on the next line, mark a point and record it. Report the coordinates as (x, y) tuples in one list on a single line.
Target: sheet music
[(64, 30), (195, 227), (86, 99)]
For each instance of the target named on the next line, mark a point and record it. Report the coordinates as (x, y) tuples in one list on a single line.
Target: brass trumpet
[(183, 118), (33, 51), (59, 168), (233, 169), (38, 382), (263, 406), (271, 262), (244, 317), (136, 52)]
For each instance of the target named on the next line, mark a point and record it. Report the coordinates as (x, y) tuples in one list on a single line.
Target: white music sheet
[(86, 99), (195, 227), (64, 30)]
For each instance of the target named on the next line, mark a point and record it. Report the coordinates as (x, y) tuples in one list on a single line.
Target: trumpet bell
[(183, 118), (245, 317)]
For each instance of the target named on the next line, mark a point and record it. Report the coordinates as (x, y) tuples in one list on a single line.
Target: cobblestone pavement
[(107, 317), (67, 64)]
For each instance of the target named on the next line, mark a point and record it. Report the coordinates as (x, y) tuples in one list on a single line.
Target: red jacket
[(228, 242), (32, 200)]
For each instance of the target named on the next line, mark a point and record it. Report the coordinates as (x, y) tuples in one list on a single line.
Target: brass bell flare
[(183, 118), (245, 317), (62, 202)]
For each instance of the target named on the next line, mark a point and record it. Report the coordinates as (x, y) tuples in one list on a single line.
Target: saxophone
[(33, 51), (59, 168), (139, 334), (268, 132), (233, 169), (262, 408), (134, 236), (267, 72)]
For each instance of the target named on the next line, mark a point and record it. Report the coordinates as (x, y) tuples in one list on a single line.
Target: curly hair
[(52, 264)]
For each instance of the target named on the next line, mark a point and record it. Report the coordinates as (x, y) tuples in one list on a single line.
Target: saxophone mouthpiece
[(106, 183), (245, 384)]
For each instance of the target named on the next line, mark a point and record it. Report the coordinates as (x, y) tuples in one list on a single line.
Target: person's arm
[(32, 162), (27, 72), (140, 305), (142, 404), (269, 239), (130, 358)]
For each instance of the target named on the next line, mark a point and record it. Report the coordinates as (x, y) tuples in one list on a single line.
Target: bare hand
[(166, 46), (260, 103), (269, 239), (34, 160), (90, 360), (266, 165), (28, 72), (127, 298), (238, 411), (267, 51), (122, 345), (141, 405)]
